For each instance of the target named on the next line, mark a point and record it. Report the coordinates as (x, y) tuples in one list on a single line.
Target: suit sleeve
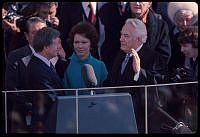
[(11, 74), (157, 73), (61, 67), (42, 100), (43, 82), (104, 74)]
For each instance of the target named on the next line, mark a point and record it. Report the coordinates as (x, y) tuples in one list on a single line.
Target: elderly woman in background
[(83, 37), (183, 15)]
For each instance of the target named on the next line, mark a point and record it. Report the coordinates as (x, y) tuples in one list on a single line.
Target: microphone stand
[(92, 92), (180, 127), (91, 85)]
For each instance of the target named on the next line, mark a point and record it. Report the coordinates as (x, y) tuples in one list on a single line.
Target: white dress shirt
[(87, 9), (45, 60), (33, 51), (101, 26)]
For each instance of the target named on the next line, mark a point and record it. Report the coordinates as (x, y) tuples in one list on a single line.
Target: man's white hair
[(175, 7), (139, 27)]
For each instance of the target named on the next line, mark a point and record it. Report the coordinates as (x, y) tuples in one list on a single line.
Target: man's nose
[(185, 23), (122, 37), (137, 3)]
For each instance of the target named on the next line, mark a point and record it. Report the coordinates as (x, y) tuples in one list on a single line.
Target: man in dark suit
[(157, 29), (15, 75), (106, 21), (41, 74), (136, 65), (15, 65)]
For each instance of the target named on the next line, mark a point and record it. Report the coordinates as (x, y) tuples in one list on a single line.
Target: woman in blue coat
[(83, 38)]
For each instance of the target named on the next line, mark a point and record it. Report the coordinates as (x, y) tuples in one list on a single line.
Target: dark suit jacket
[(61, 67), (40, 76), (151, 63), (15, 80), (192, 67), (72, 12), (14, 77), (177, 57)]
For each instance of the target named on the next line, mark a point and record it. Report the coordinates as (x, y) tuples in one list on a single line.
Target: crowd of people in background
[(45, 45)]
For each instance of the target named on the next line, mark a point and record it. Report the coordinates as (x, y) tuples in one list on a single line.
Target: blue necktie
[(124, 63), (53, 68)]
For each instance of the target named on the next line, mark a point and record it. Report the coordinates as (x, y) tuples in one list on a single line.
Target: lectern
[(100, 113)]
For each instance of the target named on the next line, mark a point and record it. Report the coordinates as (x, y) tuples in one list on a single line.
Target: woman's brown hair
[(190, 35), (85, 29)]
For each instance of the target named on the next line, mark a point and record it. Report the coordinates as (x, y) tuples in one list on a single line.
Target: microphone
[(88, 76)]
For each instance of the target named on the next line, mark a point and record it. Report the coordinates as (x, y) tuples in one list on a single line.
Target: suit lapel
[(27, 50)]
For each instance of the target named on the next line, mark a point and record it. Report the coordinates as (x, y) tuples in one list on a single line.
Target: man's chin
[(137, 15), (124, 50)]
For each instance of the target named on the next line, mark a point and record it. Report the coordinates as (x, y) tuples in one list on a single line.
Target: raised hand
[(136, 61)]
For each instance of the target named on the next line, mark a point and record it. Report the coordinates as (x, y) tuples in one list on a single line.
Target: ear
[(26, 35), (150, 3), (139, 39), (46, 48)]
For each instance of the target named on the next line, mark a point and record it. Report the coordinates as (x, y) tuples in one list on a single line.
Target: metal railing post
[(146, 123), (77, 111), (6, 118)]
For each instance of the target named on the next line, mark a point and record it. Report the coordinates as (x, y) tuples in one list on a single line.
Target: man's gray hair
[(175, 7), (139, 27), (44, 37), (33, 20)]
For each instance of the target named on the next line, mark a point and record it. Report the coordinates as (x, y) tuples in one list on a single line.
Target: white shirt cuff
[(136, 76)]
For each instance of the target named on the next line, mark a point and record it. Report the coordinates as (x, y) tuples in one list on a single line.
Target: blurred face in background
[(138, 9), (81, 46), (47, 12), (188, 50), (183, 19), (4, 12), (33, 28)]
